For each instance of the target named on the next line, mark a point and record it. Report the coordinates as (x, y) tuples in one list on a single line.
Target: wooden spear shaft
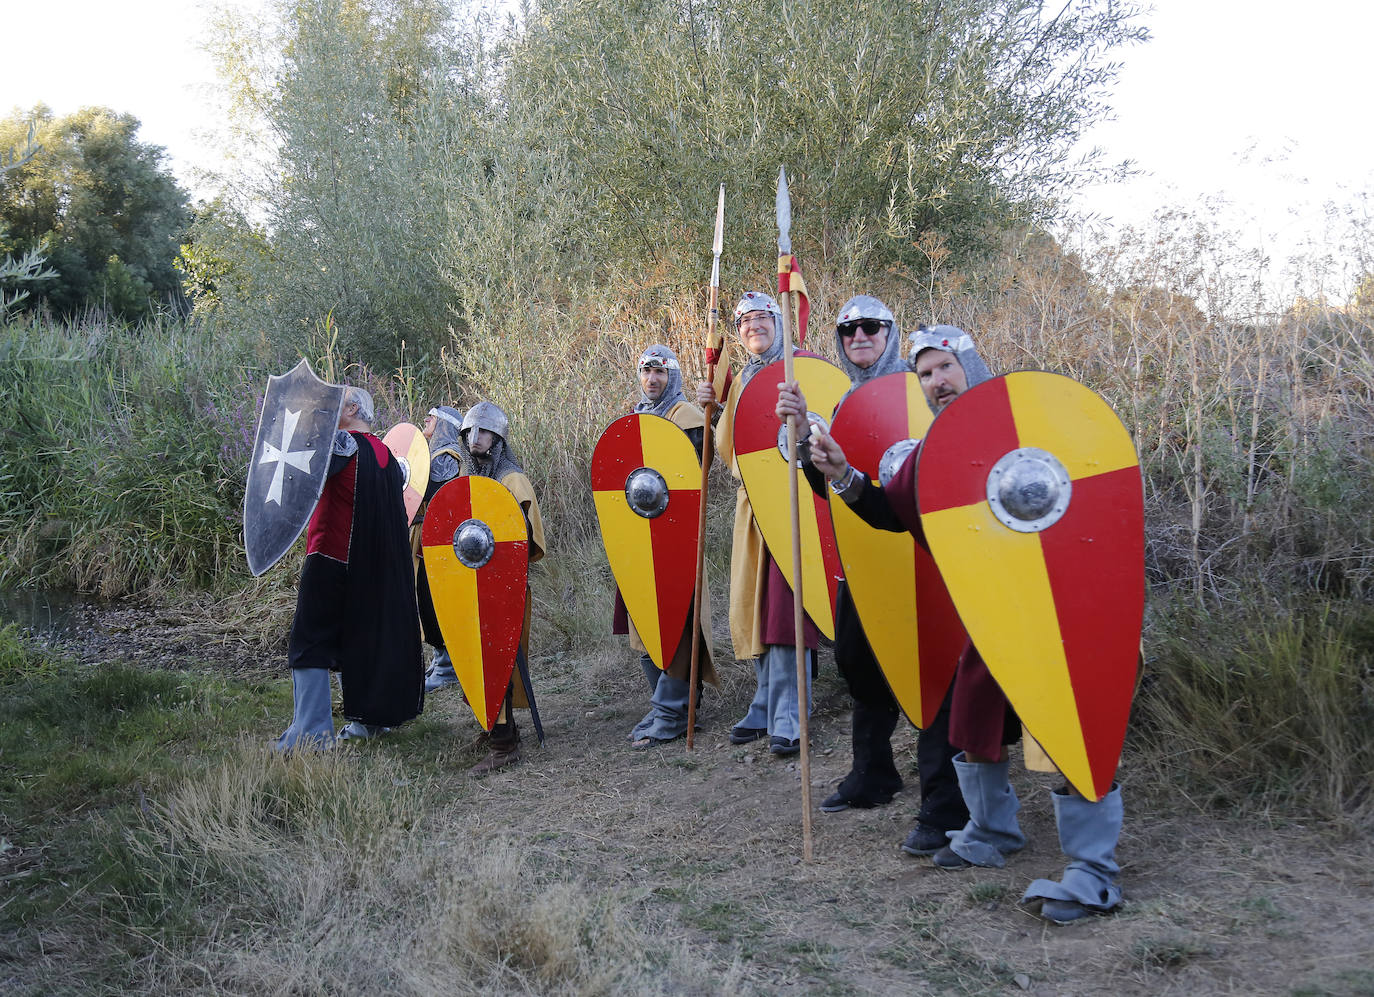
[(708, 440), (798, 612), (784, 213)]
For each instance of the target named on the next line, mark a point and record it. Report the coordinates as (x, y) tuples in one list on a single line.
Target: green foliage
[(101, 206), (431, 181), (365, 101), (19, 661), (1265, 704), (125, 454), (894, 120), (17, 271)]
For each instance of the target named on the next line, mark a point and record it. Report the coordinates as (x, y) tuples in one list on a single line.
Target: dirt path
[(707, 845)]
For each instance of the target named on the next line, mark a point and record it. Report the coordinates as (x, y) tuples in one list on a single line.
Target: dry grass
[(595, 869)]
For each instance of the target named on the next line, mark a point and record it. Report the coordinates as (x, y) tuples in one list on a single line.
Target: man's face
[(756, 332), (481, 442), (864, 342), (942, 377), (653, 380), (348, 414), (428, 427)]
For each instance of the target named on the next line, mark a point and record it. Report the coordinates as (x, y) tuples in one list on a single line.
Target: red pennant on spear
[(790, 282)]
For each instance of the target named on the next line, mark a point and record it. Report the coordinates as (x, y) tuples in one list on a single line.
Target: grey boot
[(312, 722), (992, 832), (667, 721), (1088, 833), (440, 672), (652, 673)]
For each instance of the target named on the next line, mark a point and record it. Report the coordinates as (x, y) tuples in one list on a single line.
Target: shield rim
[(821, 543), (248, 492), (1087, 766), (434, 538), (902, 554)]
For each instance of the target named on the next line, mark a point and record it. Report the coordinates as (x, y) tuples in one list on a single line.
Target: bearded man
[(982, 721), (660, 382), (486, 431)]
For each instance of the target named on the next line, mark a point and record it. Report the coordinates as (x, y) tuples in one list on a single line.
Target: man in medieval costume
[(355, 609), (762, 624), (982, 721), (446, 461), (660, 382), (870, 345), (486, 433)]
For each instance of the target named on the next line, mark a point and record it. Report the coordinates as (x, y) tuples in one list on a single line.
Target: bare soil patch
[(705, 847)]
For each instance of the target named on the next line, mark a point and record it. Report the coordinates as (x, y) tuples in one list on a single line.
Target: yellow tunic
[(687, 416), (748, 554), (520, 487)]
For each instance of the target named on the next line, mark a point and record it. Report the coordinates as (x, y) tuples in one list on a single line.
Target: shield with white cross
[(300, 414)]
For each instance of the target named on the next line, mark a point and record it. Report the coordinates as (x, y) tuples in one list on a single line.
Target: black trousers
[(873, 778)]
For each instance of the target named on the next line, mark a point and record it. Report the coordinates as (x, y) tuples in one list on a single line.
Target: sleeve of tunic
[(523, 491)]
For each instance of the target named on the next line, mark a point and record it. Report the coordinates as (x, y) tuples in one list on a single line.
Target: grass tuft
[(1260, 706)]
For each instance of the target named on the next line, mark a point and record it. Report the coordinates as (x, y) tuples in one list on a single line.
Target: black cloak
[(355, 610)]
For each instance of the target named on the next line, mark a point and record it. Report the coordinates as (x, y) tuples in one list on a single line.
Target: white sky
[(1248, 99)]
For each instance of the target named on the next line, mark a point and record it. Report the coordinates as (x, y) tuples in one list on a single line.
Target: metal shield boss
[(300, 414), (476, 551), (1032, 502), (760, 438), (906, 612), (411, 450), (646, 482)]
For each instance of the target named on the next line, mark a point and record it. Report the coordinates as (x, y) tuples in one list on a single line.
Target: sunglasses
[(871, 327)]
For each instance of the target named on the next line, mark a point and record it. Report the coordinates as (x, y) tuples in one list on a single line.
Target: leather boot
[(873, 778), (503, 749)]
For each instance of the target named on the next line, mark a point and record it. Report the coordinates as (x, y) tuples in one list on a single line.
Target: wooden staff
[(784, 211), (714, 344)]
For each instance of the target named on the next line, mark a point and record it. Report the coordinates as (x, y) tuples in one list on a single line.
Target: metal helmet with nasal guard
[(488, 416)]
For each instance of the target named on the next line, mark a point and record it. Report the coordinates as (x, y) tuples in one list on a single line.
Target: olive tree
[(895, 118), (351, 96)]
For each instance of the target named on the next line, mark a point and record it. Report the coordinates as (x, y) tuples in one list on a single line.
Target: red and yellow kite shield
[(1032, 502), (477, 559), (907, 614), (411, 449), (646, 480), (760, 442)]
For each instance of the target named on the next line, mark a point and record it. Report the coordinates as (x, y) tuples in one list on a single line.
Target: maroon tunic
[(981, 720), (778, 625)]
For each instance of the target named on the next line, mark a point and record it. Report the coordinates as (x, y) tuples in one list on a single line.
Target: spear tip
[(719, 242), (784, 208)]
